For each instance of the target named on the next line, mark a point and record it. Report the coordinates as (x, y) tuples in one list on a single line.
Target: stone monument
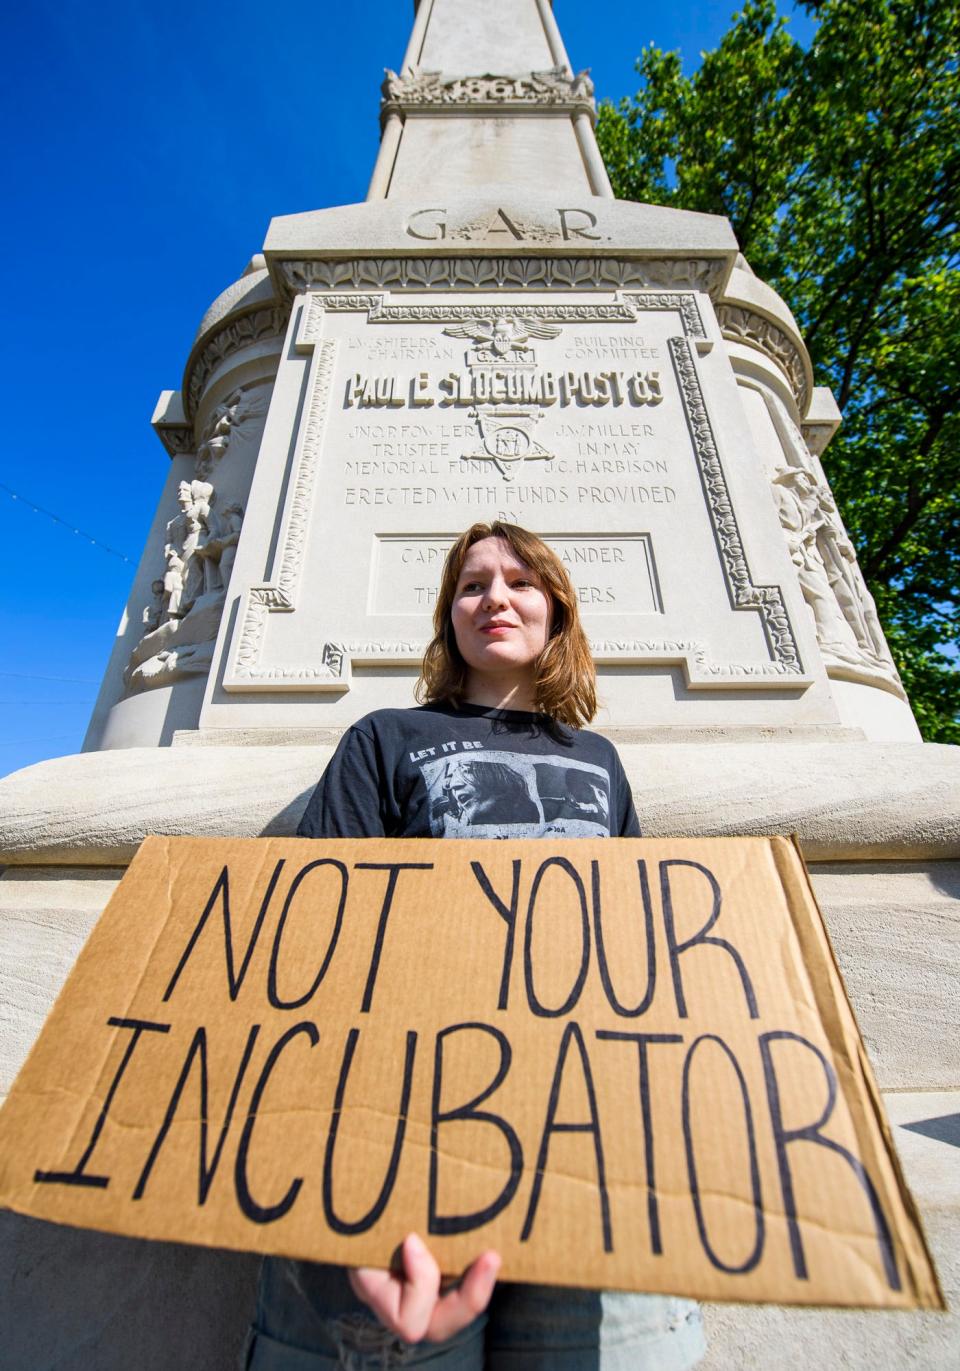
[(493, 335)]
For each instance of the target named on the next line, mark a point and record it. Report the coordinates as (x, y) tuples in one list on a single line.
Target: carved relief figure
[(227, 541), (171, 585), (154, 611), (200, 526), (172, 664), (848, 627), (225, 420), (795, 492), (847, 624), (843, 571), (181, 624)]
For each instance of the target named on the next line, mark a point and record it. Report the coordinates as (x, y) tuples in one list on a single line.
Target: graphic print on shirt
[(494, 794)]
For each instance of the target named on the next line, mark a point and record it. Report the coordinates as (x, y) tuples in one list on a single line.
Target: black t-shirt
[(445, 771)]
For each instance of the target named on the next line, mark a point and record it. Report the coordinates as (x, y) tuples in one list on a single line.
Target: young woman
[(497, 749)]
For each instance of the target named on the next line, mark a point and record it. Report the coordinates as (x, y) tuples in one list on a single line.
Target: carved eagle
[(503, 335)]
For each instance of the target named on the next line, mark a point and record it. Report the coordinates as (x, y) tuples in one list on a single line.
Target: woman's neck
[(495, 692)]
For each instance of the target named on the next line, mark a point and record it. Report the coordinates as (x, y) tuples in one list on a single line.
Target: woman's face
[(501, 615)]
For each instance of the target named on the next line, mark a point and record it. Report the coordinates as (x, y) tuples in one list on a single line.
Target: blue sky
[(150, 145)]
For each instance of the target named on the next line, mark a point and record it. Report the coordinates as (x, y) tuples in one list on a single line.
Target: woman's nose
[(496, 594)]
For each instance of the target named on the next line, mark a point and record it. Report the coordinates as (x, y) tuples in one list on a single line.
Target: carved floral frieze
[(740, 325), (497, 273), (237, 333), (247, 670), (554, 89), (767, 600), (626, 308)]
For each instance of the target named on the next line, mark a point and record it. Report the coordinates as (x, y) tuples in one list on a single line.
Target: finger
[(418, 1293), (460, 1306), (378, 1289), (404, 1301)]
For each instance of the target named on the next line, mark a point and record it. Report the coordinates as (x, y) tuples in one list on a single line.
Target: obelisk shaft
[(486, 97)]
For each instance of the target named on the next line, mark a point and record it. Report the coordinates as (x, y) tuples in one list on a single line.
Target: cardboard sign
[(625, 1063)]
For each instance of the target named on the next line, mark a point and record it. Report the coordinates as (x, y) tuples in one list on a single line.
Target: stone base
[(845, 800), (667, 733), (46, 914)]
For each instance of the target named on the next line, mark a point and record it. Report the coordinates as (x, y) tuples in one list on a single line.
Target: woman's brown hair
[(564, 673)]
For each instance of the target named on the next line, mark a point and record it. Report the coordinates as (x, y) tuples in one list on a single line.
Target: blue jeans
[(308, 1319)]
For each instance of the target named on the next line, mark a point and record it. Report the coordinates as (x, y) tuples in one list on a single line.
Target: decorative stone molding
[(767, 601), (821, 420), (171, 426), (246, 670), (554, 89), (238, 331), (685, 305), (817, 436), (501, 273), (624, 309), (177, 439), (740, 325)]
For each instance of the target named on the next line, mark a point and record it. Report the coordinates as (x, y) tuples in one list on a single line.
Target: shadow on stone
[(945, 1129)]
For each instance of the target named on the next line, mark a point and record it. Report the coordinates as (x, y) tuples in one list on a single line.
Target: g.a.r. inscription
[(433, 225)]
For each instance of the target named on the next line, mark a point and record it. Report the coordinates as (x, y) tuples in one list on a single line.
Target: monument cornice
[(491, 272), (503, 223), (553, 91)]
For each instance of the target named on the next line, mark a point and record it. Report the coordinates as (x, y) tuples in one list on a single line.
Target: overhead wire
[(63, 680), (64, 523)]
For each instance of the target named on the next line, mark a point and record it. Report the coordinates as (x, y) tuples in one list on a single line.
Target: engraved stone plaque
[(606, 422)]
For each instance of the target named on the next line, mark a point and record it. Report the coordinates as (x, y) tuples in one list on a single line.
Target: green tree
[(839, 168)]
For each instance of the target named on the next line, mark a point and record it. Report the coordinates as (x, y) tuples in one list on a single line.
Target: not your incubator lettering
[(494, 794)]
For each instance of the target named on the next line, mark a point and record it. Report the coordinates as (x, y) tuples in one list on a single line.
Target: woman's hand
[(410, 1303)]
